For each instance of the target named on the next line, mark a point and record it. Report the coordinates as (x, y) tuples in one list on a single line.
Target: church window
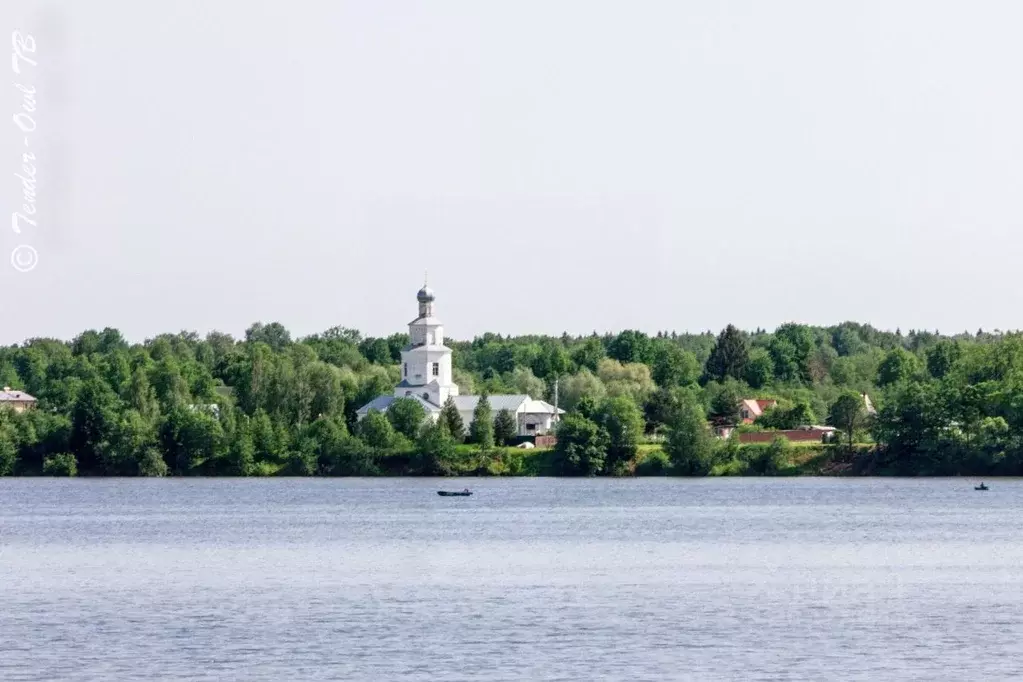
[(406, 369), (436, 369)]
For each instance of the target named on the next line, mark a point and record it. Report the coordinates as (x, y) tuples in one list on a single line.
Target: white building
[(426, 377)]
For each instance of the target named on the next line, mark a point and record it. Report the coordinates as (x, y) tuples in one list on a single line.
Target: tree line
[(268, 404)]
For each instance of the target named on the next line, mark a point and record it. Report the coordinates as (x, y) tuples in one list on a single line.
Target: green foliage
[(63, 464), (759, 370), (689, 444), (729, 357), (791, 349), (630, 346), (794, 416), (434, 448), (899, 365), (581, 448), (270, 405), (655, 463), (589, 353), (623, 422), (452, 419), (406, 416), (942, 356), (674, 366), (660, 408), (8, 451), (848, 414), (771, 459), (376, 431), (726, 401), (505, 428), (481, 431)]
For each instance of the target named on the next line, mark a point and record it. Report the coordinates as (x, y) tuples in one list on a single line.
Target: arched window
[(426, 396), (408, 393)]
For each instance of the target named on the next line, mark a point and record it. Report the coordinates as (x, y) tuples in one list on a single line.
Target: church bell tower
[(426, 361)]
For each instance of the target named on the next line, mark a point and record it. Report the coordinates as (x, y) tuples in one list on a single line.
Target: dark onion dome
[(425, 295)]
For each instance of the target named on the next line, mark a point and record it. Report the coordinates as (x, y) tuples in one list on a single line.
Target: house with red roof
[(751, 409)]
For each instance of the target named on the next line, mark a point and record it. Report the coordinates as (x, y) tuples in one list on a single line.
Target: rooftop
[(7, 395)]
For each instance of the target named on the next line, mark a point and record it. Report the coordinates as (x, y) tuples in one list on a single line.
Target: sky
[(555, 166)]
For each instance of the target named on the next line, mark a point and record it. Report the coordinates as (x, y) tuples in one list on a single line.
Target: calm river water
[(530, 579)]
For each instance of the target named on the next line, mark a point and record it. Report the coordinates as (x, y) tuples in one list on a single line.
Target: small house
[(19, 401)]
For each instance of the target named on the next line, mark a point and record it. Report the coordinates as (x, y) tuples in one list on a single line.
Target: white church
[(426, 377)]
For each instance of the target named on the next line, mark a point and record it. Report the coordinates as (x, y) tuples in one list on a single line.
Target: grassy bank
[(804, 459)]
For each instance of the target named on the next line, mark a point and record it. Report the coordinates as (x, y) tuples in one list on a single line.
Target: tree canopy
[(270, 402)]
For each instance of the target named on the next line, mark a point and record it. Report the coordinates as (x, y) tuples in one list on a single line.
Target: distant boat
[(454, 493), (980, 487)]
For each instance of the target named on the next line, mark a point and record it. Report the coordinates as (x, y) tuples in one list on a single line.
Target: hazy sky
[(556, 166)]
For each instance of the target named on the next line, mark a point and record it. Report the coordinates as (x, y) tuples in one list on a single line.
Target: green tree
[(434, 449), (729, 357), (799, 414), (274, 335), (726, 402), (130, 439), (689, 445), (942, 356), (8, 451), (770, 460), (152, 464), (623, 422), (899, 365), (452, 419), (191, 439), (93, 420), (674, 366), (505, 428), (759, 369), (630, 346), (578, 386), (581, 447), (240, 459), (352, 457), (791, 349), (376, 431), (481, 431), (589, 353), (553, 361), (848, 414), (406, 416), (63, 464)]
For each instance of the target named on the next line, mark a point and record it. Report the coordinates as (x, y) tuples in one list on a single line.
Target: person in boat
[(467, 490)]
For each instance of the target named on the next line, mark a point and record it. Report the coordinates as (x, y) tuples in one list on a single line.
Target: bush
[(152, 464), (768, 460), (655, 463), (63, 464)]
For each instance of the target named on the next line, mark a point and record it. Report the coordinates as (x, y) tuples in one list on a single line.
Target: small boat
[(454, 493), (980, 487)]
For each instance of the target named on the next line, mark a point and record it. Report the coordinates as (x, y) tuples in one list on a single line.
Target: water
[(530, 579)]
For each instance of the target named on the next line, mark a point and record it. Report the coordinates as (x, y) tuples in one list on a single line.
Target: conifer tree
[(504, 427), (451, 418), (481, 431), (729, 357)]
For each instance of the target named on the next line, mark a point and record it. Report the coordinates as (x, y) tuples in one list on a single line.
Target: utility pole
[(556, 379)]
